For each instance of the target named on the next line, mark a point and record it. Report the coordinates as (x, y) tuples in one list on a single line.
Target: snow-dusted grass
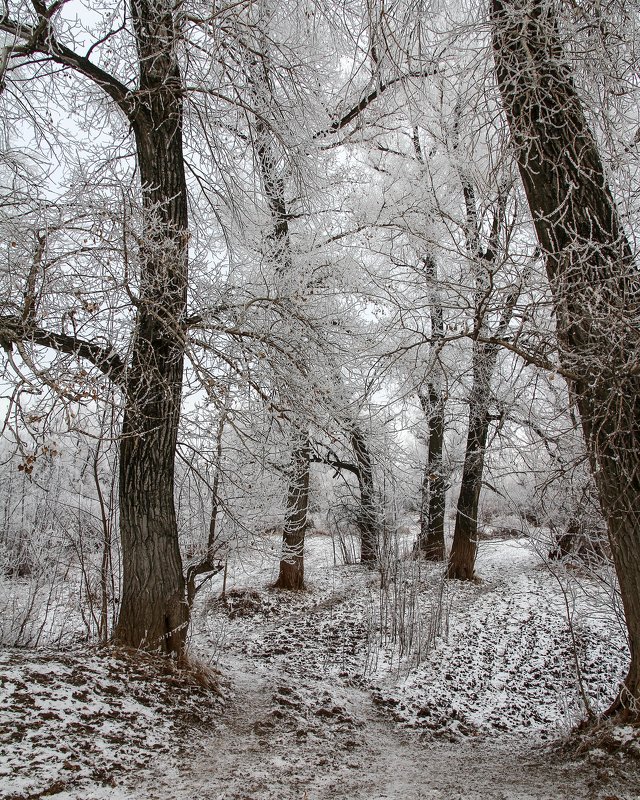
[(82, 723), (365, 686), (519, 651), (516, 657)]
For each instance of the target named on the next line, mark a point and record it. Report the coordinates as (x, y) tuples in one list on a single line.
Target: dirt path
[(320, 705), (301, 721), (306, 739)]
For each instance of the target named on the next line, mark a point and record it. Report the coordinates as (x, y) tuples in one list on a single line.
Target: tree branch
[(366, 101), (336, 463), (14, 330), (40, 38)]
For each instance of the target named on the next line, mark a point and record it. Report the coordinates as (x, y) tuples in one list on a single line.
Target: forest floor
[(419, 688)]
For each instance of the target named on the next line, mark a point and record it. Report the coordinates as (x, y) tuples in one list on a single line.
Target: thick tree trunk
[(153, 611), (368, 518), (431, 543), (595, 284), (292, 563)]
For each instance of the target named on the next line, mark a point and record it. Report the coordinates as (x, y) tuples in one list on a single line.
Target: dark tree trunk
[(368, 518), (595, 284), (153, 611), (291, 574), (464, 547), (292, 563), (431, 543)]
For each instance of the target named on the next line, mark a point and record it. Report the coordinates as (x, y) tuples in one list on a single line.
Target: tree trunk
[(464, 547), (292, 563), (431, 544), (291, 575), (368, 522), (153, 611), (594, 282)]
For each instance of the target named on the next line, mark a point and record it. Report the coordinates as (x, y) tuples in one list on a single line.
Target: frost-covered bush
[(52, 541)]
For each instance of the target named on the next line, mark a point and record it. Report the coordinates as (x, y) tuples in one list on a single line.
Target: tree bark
[(594, 282), (291, 574), (153, 611), (464, 547), (368, 522), (431, 543)]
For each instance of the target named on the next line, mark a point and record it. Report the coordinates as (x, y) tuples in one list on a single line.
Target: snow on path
[(314, 710), (302, 722), (314, 747)]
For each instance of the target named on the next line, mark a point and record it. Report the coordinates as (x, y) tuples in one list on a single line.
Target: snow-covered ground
[(406, 686)]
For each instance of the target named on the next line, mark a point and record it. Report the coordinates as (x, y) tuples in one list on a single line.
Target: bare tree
[(485, 263), (153, 612), (592, 274)]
